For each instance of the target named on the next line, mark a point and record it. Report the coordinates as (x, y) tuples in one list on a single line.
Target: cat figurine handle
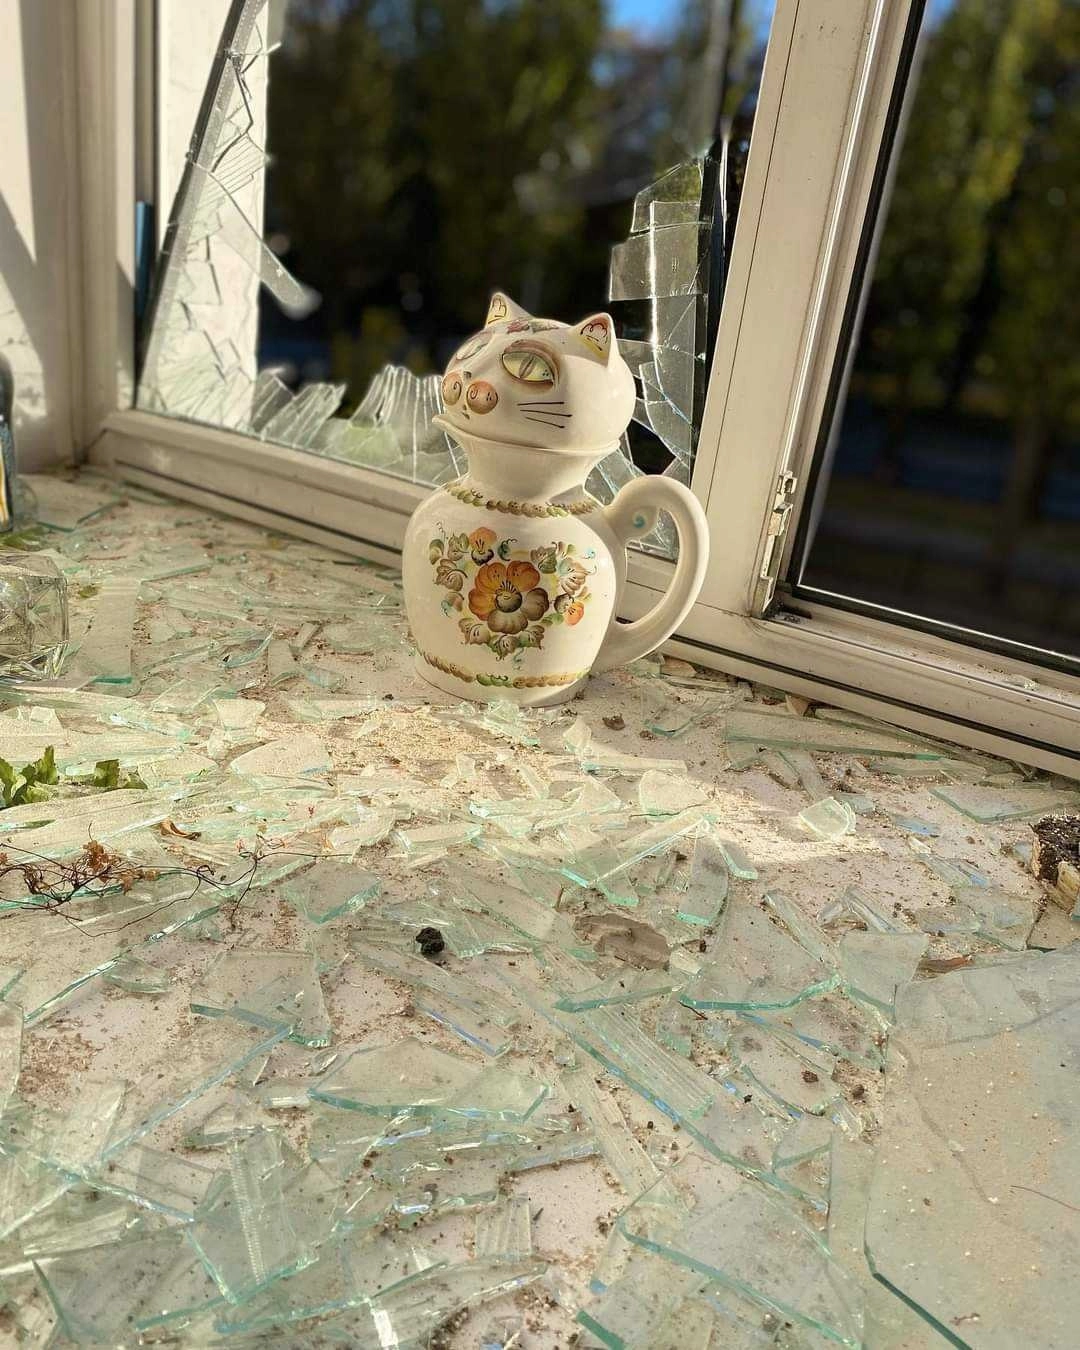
[(513, 572)]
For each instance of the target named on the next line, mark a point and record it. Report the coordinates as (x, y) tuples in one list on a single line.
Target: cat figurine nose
[(481, 396)]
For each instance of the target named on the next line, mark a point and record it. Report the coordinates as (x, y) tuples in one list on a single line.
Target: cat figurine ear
[(502, 307), (598, 337)]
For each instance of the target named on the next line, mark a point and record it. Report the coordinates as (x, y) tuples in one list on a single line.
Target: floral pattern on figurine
[(512, 599)]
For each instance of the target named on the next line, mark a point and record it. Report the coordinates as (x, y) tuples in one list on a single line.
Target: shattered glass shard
[(331, 888), (242, 1230), (633, 1167), (858, 905), (751, 1240), (991, 804), (738, 861), (758, 966), (625, 987), (286, 758), (104, 1293), (666, 794), (104, 656), (278, 990), (875, 967), (1004, 1036), (409, 1076), (813, 733), (479, 1017), (11, 1031), (136, 976), (828, 819), (504, 1231)]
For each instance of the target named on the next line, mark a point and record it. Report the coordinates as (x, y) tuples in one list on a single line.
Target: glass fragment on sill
[(998, 915), (33, 616), (778, 766), (594, 758), (956, 1034), (289, 757), (104, 1293), (626, 987), (282, 1094), (614, 1039), (351, 1269), (629, 940), (165, 1082), (664, 794), (806, 773), (153, 1180), (860, 907), (781, 730), (485, 1021), (952, 871), (925, 829), (278, 990), (409, 1076), (78, 1219), (737, 860), (10, 975), (800, 926), (675, 1027), (796, 1081), (11, 1034), (231, 1121), (410, 1315), (828, 819), (632, 1166), (331, 888), (135, 976), (465, 934), (649, 1295), (989, 805), (756, 967), (876, 967), (750, 1238), (829, 1022), (810, 1137), (602, 864), (555, 1151), (243, 1230), (504, 1231), (104, 655), (671, 718)]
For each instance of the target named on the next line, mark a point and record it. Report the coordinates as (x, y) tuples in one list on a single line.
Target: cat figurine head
[(537, 382)]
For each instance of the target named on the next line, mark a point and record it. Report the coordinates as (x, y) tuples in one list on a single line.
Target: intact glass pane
[(953, 491), (362, 176)]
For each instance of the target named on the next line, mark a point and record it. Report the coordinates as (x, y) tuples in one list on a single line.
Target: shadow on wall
[(37, 215)]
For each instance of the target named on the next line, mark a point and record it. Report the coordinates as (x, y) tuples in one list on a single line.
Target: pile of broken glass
[(681, 1016)]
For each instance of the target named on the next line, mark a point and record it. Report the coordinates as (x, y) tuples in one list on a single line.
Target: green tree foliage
[(405, 139), (963, 147)]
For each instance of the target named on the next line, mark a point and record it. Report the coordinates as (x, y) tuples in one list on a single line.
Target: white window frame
[(830, 80)]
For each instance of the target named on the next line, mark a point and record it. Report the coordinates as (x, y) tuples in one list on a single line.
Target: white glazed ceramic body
[(512, 574)]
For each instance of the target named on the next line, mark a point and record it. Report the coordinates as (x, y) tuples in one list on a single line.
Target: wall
[(38, 278)]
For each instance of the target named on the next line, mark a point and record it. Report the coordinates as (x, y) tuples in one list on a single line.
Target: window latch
[(779, 522)]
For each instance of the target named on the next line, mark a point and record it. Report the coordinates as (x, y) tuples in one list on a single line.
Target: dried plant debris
[(331, 1013)]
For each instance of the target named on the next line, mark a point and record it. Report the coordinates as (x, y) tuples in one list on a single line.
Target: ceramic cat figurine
[(512, 573), (536, 382)]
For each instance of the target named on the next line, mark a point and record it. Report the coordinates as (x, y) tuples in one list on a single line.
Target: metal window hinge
[(776, 532)]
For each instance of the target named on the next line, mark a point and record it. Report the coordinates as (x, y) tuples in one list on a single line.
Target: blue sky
[(658, 15)]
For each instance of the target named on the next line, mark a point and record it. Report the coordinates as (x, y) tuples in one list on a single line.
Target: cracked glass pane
[(321, 260)]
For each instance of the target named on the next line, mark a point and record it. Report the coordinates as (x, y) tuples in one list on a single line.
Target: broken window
[(359, 179)]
